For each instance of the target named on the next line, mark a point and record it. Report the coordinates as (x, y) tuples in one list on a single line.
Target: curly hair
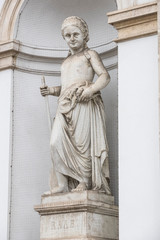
[(78, 22)]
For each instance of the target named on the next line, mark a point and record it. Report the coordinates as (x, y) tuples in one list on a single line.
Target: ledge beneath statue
[(79, 215)]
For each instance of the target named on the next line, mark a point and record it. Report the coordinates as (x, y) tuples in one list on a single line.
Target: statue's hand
[(86, 94), (44, 91), (79, 91)]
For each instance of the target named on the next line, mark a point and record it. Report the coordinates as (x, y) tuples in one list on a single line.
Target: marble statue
[(78, 142)]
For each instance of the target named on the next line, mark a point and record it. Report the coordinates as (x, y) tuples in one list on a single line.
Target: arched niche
[(10, 12), (35, 28)]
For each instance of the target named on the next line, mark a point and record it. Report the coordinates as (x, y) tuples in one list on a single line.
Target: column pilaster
[(139, 168)]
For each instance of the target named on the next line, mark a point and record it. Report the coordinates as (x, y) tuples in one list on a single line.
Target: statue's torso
[(76, 69)]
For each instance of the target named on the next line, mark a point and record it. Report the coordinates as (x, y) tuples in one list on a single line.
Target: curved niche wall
[(39, 22)]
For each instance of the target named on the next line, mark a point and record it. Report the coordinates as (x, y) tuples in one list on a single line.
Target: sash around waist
[(69, 99)]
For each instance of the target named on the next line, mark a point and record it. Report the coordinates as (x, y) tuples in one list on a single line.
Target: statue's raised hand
[(44, 91)]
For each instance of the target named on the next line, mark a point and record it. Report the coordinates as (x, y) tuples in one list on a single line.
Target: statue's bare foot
[(47, 193), (81, 187), (59, 189)]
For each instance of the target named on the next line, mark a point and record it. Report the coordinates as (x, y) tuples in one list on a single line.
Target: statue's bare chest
[(75, 64), (76, 69)]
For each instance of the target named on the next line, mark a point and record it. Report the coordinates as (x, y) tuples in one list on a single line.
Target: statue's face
[(74, 37)]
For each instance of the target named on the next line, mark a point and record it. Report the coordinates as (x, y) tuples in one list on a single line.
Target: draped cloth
[(78, 140)]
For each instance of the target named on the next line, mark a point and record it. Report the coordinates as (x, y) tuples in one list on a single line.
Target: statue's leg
[(61, 179), (62, 184)]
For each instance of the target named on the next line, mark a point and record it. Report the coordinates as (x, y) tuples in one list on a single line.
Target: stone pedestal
[(79, 215)]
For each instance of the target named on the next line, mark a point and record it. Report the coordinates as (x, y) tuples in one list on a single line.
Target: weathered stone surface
[(135, 22), (78, 143), (78, 215)]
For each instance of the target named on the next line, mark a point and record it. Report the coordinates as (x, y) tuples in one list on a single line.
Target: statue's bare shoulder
[(96, 62)]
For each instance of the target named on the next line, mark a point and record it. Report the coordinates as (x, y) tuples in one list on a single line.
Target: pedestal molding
[(86, 215), (135, 22), (46, 209), (80, 238)]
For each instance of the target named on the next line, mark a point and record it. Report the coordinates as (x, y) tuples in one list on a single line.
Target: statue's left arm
[(103, 76), (98, 67)]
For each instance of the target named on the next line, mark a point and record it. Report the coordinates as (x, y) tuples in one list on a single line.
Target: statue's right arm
[(55, 91)]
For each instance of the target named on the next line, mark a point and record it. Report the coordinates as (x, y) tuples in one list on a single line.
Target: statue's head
[(75, 32)]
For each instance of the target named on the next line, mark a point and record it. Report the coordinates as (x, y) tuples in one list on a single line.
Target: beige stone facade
[(135, 22)]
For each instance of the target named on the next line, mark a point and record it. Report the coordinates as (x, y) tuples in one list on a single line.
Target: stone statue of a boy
[(78, 140)]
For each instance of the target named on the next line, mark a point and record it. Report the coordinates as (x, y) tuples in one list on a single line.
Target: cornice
[(41, 60), (8, 54), (134, 22), (47, 51), (48, 209)]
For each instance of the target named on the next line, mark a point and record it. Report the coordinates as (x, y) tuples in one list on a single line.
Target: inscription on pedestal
[(78, 216), (61, 225)]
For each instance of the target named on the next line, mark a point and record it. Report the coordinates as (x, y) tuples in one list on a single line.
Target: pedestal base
[(86, 215)]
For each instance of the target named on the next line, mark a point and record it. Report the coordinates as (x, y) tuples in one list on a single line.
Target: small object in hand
[(44, 89)]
